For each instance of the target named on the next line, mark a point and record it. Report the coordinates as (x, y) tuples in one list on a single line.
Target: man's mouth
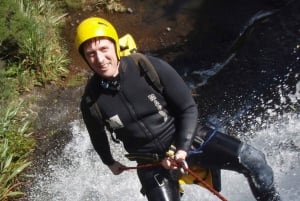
[(104, 66)]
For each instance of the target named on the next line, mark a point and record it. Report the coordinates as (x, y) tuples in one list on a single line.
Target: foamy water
[(78, 174), (281, 144)]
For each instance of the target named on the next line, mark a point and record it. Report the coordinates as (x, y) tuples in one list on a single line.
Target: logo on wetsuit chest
[(115, 122), (158, 106)]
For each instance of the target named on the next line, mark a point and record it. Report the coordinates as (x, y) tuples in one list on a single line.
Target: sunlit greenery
[(16, 144), (32, 45), (16, 141), (32, 54), (109, 5)]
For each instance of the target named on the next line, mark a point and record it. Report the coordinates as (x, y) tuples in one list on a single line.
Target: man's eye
[(92, 54), (104, 49)]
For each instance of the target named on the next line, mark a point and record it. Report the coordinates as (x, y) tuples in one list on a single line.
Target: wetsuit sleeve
[(179, 98), (97, 132)]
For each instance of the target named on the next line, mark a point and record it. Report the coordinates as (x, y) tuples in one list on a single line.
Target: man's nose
[(100, 57)]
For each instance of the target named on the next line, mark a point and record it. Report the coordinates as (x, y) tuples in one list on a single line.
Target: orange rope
[(212, 190)]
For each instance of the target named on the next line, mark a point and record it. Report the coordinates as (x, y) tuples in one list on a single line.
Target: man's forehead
[(97, 41)]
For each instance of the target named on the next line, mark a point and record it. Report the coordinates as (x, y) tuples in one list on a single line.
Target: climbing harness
[(199, 150), (206, 174)]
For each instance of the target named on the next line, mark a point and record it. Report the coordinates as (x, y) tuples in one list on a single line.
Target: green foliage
[(10, 168), (32, 40), (15, 144), (74, 4), (8, 88), (16, 127), (31, 53), (13, 28)]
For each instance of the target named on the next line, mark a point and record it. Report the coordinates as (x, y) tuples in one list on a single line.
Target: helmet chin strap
[(113, 85)]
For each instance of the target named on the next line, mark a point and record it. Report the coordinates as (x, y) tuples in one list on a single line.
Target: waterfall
[(78, 175)]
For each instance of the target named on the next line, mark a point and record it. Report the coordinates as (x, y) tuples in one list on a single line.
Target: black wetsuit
[(145, 120), (148, 122)]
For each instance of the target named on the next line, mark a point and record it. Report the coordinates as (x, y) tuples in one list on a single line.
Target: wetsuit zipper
[(134, 116)]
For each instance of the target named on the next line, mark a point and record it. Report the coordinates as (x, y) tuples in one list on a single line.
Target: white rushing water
[(77, 174)]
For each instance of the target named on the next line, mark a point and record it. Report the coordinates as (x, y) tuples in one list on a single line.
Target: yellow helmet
[(96, 27)]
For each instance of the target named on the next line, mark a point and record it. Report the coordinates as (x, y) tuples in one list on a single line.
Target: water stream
[(78, 175)]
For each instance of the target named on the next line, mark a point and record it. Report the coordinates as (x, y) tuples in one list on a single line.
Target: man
[(119, 98)]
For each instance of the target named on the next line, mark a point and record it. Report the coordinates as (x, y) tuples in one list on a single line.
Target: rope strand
[(212, 190)]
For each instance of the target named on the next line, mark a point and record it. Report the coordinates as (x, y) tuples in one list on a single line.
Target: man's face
[(101, 56)]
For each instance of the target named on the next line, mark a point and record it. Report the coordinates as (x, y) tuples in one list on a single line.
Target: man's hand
[(171, 162), (116, 168), (180, 156)]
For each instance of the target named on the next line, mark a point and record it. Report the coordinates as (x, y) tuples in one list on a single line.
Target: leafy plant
[(31, 53), (9, 170), (31, 44), (15, 145)]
